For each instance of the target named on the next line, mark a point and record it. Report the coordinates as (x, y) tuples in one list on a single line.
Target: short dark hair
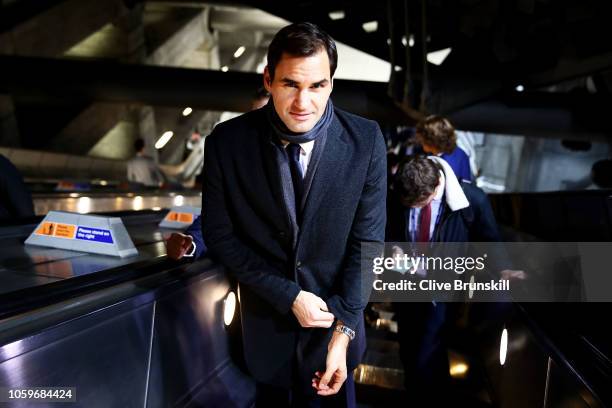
[(301, 40), (417, 179), (139, 144), (438, 132)]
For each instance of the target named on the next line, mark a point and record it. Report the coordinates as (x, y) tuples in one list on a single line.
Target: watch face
[(349, 332)]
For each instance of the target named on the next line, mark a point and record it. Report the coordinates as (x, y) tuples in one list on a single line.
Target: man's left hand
[(330, 382)]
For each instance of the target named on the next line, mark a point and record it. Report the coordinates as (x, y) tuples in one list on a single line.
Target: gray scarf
[(284, 133), (280, 131)]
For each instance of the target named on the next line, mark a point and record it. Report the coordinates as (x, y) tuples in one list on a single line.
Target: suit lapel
[(335, 154)]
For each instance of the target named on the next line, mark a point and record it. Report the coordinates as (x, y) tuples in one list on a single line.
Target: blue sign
[(94, 234)]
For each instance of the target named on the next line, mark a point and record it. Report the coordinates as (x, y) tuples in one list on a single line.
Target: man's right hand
[(178, 245), (311, 311)]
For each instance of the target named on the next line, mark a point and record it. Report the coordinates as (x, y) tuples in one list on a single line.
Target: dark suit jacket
[(475, 223), (248, 230), (195, 230), (15, 199)]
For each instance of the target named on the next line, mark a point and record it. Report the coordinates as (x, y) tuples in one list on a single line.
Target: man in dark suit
[(458, 211), (428, 204), (290, 192)]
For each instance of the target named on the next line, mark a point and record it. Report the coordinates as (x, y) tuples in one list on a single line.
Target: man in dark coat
[(15, 198), (466, 214), (290, 192), (428, 204)]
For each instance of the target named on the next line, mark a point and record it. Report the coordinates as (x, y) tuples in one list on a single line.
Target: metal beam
[(540, 114), (19, 12), (70, 21), (41, 79)]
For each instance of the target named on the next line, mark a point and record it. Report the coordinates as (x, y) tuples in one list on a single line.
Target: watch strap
[(340, 328)]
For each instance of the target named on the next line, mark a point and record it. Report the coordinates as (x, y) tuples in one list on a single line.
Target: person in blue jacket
[(437, 137), (188, 244)]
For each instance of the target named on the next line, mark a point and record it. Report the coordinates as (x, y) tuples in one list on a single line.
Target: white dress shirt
[(305, 154)]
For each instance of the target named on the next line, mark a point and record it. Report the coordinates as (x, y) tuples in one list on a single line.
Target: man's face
[(300, 89)]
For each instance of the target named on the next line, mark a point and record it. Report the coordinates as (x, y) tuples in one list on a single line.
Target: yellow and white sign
[(180, 217), (85, 233), (53, 229)]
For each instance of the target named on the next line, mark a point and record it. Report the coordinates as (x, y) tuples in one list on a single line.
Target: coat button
[(298, 264)]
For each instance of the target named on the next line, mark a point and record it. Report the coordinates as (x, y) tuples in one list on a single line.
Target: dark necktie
[(293, 149), (424, 224)]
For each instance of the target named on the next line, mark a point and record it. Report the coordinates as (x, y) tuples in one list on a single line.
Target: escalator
[(147, 331), (141, 331)]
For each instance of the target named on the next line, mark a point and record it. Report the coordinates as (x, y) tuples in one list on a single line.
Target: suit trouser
[(271, 396), (422, 330)]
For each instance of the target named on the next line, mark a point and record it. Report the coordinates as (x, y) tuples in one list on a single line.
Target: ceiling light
[(239, 51), (388, 41), (411, 40), (187, 111), (165, 138), (438, 57), (397, 68), (404, 40), (336, 15), (519, 88), (370, 26), (225, 68)]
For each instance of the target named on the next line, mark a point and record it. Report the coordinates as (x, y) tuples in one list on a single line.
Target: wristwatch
[(340, 328)]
